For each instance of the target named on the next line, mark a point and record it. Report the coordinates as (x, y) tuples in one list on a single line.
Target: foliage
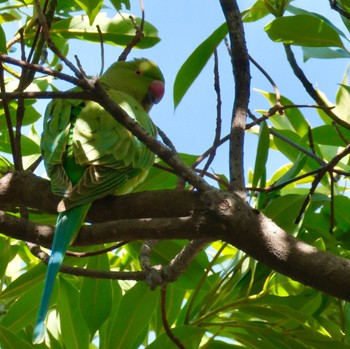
[(225, 298)]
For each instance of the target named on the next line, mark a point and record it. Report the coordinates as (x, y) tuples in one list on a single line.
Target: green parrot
[(88, 155)]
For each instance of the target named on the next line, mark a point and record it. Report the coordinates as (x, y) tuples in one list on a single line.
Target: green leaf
[(347, 321), (5, 164), (118, 4), (323, 53), (292, 119), (134, 313), (10, 340), (5, 254), (30, 115), (3, 48), (28, 146), (73, 327), (91, 8), (342, 207), (261, 154), (160, 179), (299, 11), (255, 12), (342, 102), (284, 209), (24, 310), (221, 345), (328, 135), (25, 281), (110, 324), (289, 171), (303, 30), (118, 30), (96, 295), (189, 336), (196, 62), (9, 16)]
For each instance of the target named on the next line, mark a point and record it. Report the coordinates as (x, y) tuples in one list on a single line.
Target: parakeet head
[(140, 78)]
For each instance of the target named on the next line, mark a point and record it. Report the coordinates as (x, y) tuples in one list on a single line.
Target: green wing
[(109, 159)]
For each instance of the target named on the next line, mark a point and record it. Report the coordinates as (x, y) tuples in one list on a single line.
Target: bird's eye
[(138, 72)]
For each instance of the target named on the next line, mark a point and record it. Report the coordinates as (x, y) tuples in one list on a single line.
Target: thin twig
[(328, 167), (15, 154), (208, 151), (138, 34), (311, 140), (309, 88), (96, 253), (279, 108), (97, 274), (165, 322), (19, 120), (46, 34), (166, 140), (181, 261), (102, 49), (80, 66), (269, 78), (207, 174), (293, 144), (340, 134), (332, 216), (40, 69), (218, 114), (84, 95), (334, 6)]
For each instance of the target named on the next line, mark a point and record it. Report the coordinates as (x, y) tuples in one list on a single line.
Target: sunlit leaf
[(195, 63), (5, 254), (28, 146), (261, 154), (255, 12), (118, 30), (23, 311), (10, 340), (30, 114), (291, 119), (73, 326), (25, 281), (91, 7), (2, 41), (135, 310), (329, 135), (303, 30), (96, 295)]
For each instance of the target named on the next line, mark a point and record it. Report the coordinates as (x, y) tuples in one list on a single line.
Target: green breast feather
[(98, 144)]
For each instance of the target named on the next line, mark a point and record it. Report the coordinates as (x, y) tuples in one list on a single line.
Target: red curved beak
[(156, 90)]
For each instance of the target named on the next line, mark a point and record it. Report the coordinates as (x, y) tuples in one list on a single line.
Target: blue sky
[(183, 25)]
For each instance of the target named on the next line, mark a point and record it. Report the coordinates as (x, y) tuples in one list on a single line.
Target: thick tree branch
[(213, 215), (241, 72)]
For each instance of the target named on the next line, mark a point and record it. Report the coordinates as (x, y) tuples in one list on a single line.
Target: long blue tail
[(67, 227)]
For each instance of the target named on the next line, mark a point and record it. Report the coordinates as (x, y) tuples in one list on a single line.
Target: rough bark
[(212, 215)]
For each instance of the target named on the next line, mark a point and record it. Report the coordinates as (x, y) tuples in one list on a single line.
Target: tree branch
[(212, 215), (241, 72), (310, 89)]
